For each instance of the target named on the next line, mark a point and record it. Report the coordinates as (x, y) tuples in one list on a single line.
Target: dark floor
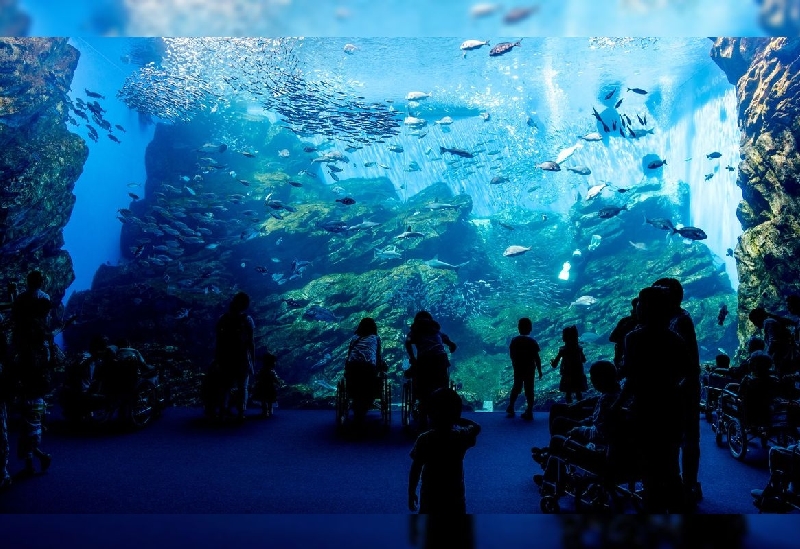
[(294, 462)]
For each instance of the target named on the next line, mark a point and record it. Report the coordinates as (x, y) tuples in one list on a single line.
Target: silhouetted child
[(267, 383), (524, 351), (438, 457), (573, 378)]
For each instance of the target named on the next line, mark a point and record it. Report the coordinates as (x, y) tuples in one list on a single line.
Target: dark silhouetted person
[(681, 323), (6, 394), (235, 349), (625, 326), (32, 343), (361, 367), (267, 384), (573, 378), (429, 367), (595, 429), (755, 348), (438, 457), (778, 339), (524, 351), (658, 363)]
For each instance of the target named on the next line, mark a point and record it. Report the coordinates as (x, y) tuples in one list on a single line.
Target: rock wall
[(40, 160), (765, 72)]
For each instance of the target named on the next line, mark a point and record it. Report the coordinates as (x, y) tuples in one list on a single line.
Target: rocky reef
[(40, 160), (766, 73)]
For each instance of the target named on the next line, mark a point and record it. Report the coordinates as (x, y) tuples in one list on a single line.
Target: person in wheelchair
[(362, 367), (759, 390), (87, 379), (754, 345), (588, 438)]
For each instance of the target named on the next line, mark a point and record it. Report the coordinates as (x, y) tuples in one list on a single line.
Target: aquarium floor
[(294, 462)]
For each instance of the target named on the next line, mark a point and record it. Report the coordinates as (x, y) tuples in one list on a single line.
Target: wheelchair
[(782, 493), (409, 403), (138, 405), (714, 382), (601, 480), (733, 422), (382, 393)]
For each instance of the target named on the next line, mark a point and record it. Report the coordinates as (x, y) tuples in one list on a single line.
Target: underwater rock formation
[(767, 80), (40, 160)]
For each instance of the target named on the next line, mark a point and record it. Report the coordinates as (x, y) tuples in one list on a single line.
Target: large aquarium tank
[(337, 178)]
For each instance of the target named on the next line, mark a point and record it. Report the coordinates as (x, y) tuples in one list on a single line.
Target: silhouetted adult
[(681, 323), (429, 367), (361, 367), (32, 343), (625, 326), (658, 362), (5, 397), (235, 351)]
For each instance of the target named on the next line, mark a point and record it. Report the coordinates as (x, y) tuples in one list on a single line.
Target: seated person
[(717, 377), (361, 367), (754, 344), (784, 470), (595, 431), (83, 382), (759, 390)]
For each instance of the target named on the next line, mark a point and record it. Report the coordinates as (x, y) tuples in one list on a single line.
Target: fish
[(640, 91), (618, 103), (714, 154), (457, 152), (596, 114), (389, 252), (519, 14), (294, 303), (484, 9), (723, 313), (580, 170), (497, 180), (213, 147), (709, 176), (349, 48), (503, 47), (408, 233), (120, 128), (621, 132), (605, 127), (549, 166), (295, 183), (730, 168), (442, 206), (436, 264), (661, 223), (515, 250), (283, 153), (506, 225), (414, 121), (334, 168), (334, 226), (316, 312), (248, 154), (363, 225), (309, 149), (592, 136), (638, 245), (469, 45), (134, 196), (444, 121), (416, 96), (610, 94), (569, 151), (655, 164), (396, 148), (583, 301), (596, 190), (692, 233), (347, 201), (729, 252), (95, 95), (610, 211), (114, 138), (369, 164)]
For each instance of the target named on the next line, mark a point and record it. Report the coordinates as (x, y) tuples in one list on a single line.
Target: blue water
[(539, 98), (395, 18)]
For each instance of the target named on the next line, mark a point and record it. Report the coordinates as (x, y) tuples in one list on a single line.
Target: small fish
[(469, 45), (618, 103), (640, 91), (519, 14), (638, 245), (347, 201), (248, 154), (584, 301), (309, 149), (640, 119), (610, 211), (723, 313), (730, 168), (655, 164), (497, 180), (503, 47), (120, 128), (610, 94), (396, 148), (714, 154), (349, 49), (692, 233), (95, 95), (506, 225), (709, 176), (457, 152), (592, 136), (513, 251), (283, 153), (660, 223), (369, 164), (134, 184), (729, 252), (295, 184), (244, 182), (134, 196), (549, 166)]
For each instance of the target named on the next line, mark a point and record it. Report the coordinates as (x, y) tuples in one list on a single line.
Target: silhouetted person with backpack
[(235, 349)]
